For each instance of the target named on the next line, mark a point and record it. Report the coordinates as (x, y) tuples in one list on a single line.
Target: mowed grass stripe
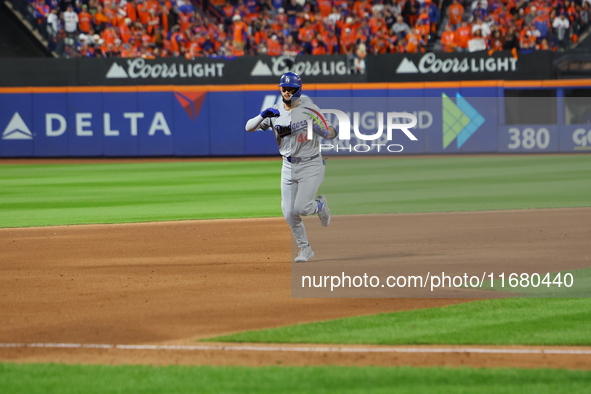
[(38, 195), (57, 194), (88, 379), (488, 322), (458, 183)]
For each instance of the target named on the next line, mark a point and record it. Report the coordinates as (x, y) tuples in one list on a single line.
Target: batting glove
[(270, 113)]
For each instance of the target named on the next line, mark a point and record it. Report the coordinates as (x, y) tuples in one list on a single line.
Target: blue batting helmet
[(291, 80)]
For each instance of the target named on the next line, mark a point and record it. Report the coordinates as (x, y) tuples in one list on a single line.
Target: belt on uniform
[(296, 160)]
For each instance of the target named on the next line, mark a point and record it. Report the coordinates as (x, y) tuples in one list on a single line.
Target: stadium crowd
[(229, 28)]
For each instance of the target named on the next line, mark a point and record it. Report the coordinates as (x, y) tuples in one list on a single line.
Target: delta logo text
[(56, 124), (17, 129), (460, 120), (139, 68), (430, 63)]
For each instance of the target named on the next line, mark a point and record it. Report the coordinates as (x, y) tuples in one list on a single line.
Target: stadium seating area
[(228, 28)]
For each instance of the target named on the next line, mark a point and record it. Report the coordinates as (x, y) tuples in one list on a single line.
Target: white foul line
[(324, 349)]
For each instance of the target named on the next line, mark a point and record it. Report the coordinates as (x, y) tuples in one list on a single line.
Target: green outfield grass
[(459, 183), (58, 194), (64, 379), (490, 322)]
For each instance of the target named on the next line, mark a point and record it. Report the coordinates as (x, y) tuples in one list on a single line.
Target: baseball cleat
[(324, 212), (305, 254)]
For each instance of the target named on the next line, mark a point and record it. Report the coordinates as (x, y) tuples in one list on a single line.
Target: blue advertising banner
[(528, 138), (50, 124), (85, 127), (16, 118), (121, 129), (575, 138), (156, 124), (193, 121)]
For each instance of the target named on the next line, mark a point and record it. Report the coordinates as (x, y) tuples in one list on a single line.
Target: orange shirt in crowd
[(325, 7), (274, 48), (109, 36), (463, 35), (448, 41), (347, 42), (125, 33), (109, 12), (361, 7), (318, 48), (153, 5), (413, 41), (99, 18), (379, 44), (84, 21), (423, 24), (330, 41), (456, 11), (153, 23), (239, 30), (306, 34), (185, 20), (142, 12), (131, 12)]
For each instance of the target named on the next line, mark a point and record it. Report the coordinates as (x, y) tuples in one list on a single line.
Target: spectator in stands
[(313, 27), (482, 27), (379, 44), (414, 42), (100, 20), (359, 58), (529, 18), (70, 21), (448, 39), (53, 23), (389, 18), (476, 43), (528, 38), (84, 20), (274, 47), (305, 36), (463, 35), (455, 12), (400, 28), (410, 12), (511, 39), (561, 26), (240, 34), (541, 24)]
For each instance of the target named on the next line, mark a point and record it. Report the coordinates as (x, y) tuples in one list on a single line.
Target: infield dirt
[(175, 282)]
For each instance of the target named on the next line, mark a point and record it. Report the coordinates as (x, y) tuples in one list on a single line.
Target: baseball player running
[(303, 166)]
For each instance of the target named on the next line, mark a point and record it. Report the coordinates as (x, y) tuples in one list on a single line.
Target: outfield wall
[(209, 120)]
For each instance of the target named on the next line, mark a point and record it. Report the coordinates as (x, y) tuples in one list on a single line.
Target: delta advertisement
[(186, 122)]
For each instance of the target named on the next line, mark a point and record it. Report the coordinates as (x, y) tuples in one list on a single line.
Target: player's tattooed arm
[(329, 133), (332, 133)]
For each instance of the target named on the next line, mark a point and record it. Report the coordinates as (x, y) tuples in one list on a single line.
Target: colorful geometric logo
[(317, 117), (460, 120), (191, 102)]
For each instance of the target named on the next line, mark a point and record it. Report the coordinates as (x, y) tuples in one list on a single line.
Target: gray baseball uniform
[(303, 167)]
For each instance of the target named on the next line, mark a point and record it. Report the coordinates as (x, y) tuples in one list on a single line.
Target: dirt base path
[(171, 283)]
